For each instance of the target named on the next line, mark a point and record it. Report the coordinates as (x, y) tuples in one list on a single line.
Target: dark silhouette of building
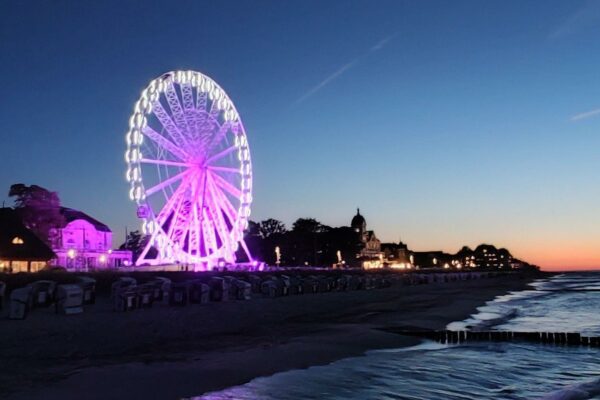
[(20, 249), (370, 255)]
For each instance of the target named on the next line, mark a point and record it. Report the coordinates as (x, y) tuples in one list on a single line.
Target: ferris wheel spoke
[(176, 109), (191, 117), (214, 110), (208, 234), (199, 207), (165, 143), (223, 209), (173, 179), (220, 155), (224, 169), (167, 122), (223, 184), (220, 135), (167, 209), (195, 238), (166, 162), (174, 218), (188, 97), (216, 217), (190, 222), (201, 101), (224, 202)]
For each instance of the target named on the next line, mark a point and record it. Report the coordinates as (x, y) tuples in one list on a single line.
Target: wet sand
[(171, 353)]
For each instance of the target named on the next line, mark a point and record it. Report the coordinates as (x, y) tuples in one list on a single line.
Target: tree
[(39, 210), (136, 243), (308, 226), (270, 227)]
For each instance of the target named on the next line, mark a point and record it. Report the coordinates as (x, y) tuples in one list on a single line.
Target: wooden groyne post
[(448, 336)]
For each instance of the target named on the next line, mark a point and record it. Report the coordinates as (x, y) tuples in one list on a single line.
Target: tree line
[(308, 242)]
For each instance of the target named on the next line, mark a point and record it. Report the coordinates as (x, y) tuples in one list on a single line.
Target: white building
[(85, 243)]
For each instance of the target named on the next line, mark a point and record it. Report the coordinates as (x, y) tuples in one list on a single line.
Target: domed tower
[(359, 225)]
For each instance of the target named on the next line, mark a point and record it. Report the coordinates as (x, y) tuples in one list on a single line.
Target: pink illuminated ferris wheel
[(188, 164)]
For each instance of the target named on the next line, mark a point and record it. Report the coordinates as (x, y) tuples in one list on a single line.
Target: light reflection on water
[(473, 371)]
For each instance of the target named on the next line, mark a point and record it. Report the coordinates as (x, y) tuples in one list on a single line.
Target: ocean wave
[(581, 391)]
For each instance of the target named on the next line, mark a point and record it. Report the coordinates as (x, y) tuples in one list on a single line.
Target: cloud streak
[(586, 16), (343, 69), (585, 115)]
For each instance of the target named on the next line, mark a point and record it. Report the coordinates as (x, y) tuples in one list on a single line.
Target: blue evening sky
[(446, 122)]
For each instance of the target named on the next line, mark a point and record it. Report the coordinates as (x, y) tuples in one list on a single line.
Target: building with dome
[(370, 255)]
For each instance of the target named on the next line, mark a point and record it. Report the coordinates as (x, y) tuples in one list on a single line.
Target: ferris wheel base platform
[(245, 266)]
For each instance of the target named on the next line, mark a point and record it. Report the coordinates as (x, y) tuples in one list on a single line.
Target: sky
[(447, 123)]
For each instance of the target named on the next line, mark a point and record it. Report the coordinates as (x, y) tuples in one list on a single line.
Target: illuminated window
[(17, 240)]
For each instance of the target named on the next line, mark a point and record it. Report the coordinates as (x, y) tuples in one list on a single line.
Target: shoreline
[(163, 353)]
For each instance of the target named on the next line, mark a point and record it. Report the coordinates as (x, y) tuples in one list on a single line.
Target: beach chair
[(243, 290), (19, 303), (2, 293), (145, 294), (69, 299), (354, 282), (126, 299), (199, 292), (255, 281), (178, 295), (269, 288), (88, 285), (295, 285), (284, 284), (219, 289), (42, 293), (162, 287), (121, 283), (310, 285), (341, 283), (230, 283)]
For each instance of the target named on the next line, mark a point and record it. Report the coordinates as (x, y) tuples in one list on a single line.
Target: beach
[(171, 353)]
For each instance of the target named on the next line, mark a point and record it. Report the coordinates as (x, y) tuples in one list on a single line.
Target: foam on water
[(508, 371)]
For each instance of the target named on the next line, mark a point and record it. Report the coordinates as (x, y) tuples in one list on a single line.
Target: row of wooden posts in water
[(447, 336)]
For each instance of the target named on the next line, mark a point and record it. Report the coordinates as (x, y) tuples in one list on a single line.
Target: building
[(374, 254), (20, 249), (86, 243), (370, 255), (397, 255)]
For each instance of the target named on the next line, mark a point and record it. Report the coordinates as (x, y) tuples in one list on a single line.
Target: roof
[(358, 220), (31, 247), (72, 215)]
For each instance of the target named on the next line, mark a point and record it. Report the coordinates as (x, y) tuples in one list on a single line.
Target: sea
[(429, 371)]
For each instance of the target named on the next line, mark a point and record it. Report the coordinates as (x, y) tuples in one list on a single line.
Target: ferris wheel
[(190, 173)]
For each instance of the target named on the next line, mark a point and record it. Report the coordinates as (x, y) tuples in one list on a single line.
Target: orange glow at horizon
[(563, 257)]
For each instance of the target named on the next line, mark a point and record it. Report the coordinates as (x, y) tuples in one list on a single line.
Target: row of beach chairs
[(284, 285), (128, 295), (420, 279), (66, 298)]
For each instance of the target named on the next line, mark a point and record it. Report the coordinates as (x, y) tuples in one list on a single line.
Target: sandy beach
[(171, 353)]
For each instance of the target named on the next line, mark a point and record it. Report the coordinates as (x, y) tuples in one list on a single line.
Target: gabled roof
[(72, 215), (27, 246)]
